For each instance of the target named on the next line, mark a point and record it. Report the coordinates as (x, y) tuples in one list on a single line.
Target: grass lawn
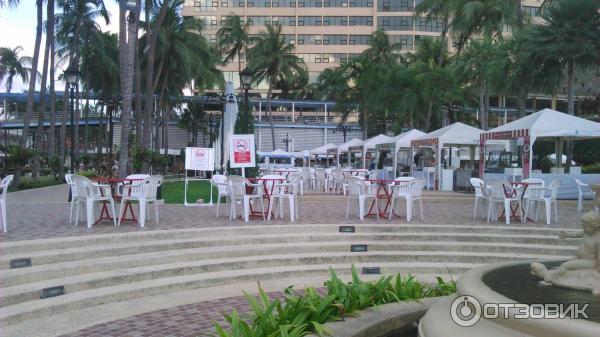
[(172, 192)]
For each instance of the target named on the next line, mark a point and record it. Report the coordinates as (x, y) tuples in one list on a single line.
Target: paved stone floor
[(192, 320), (30, 219)]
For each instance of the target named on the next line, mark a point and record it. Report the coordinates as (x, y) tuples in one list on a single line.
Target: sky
[(17, 28)]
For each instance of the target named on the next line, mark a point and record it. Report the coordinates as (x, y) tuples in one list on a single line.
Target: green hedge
[(298, 315)]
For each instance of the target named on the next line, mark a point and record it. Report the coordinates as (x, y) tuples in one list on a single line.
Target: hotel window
[(289, 38), (335, 39), (395, 22), (313, 39), (249, 3), (360, 3), (428, 25), (360, 21), (310, 58), (241, 4), (335, 58), (335, 21), (208, 21), (287, 20), (395, 6), (336, 3), (258, 20), (205, 5), (310, 21), (359, 39), (531, 11), (405, 42), (313, 3)]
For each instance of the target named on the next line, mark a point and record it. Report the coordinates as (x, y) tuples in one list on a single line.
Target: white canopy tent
[(401, 142), (343, 148), (550, 125), (369, 144), (544, 124), (322, 150), (457, 134)]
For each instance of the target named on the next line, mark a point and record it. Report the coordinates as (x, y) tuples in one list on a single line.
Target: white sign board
[(242, 151), (199, 159)]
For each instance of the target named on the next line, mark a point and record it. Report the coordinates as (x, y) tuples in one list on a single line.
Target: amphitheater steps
[(102, 269)]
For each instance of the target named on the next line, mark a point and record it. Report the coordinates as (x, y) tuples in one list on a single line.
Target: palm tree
[(126, 66), (569, 38), (50, 34), (9, 3), (381, 50), (31, 91), (272, 60), (233, 40), (12, 64), (443, 10)]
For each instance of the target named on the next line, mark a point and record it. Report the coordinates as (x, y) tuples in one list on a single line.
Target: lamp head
[(246, 76), (71, 74)]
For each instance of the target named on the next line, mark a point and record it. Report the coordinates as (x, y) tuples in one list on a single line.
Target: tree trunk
[(33, 77), (76, 120), (151, 40), (570, 111), (428, 116), (139, 115), (127, 69), (50, 36), (86, 129), (270, 113), (39, 133), (63, 126), (522, 101)]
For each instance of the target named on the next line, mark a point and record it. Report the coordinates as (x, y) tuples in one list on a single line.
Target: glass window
[(405, 42), (311, 58), (310, 21), (359, 39), (335, 39), (428, 25), (360, 21), (335, 21), (395, 22), (286, 20), (531, 11), (208, 21), (395, 5), (314, 39), (360, 3), (258, 20), (204, 5)]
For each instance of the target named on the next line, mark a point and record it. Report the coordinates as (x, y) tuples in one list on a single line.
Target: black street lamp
[(71, 76), (246, 78), (344, 129), (212, 115)]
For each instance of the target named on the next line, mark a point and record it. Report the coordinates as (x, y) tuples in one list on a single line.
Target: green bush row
[(592, 168), (298, 314)]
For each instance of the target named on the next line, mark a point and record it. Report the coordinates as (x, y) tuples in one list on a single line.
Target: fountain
[(548, 298)]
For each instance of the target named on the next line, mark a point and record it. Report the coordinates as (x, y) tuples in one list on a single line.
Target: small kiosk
[(520, 135), (367, 148), (344, 149), (438, 154), (398, 152), (323, 152)]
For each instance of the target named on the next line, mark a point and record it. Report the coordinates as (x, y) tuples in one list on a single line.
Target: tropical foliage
[(302, 312)]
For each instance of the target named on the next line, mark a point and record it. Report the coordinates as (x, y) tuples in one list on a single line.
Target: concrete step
[(28, 246), (81, 299), (136, 247), (31, 291), (12, 277)]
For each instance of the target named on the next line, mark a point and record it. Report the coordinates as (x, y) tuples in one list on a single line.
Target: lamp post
[(71, 75), (344, 129), (246, 78), (211, 118)]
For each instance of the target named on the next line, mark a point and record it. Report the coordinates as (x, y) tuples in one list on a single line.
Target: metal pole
[(72, 94), (247, 111)]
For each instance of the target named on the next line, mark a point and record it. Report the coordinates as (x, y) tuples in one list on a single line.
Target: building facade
[(325, 33)]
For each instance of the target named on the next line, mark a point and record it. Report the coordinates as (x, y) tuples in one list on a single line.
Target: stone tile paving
[(191, 320), (37, 221)]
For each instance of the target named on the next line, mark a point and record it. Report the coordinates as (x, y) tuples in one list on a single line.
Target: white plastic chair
[(3, 191), (337, 181), (237, 192), (135, 177), (322, 181), (584, 191), (222, 185), (285, 191), (547, 196), (503, 193), (411, 191), (69, 180), (481, 192), (144, 192), (89, 193), (358, 192)]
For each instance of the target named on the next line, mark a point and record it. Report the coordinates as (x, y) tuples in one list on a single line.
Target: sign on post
[(198, 159), (242, 152)]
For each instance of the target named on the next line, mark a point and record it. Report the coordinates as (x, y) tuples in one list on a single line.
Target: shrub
[(301, 314), (593, 168)]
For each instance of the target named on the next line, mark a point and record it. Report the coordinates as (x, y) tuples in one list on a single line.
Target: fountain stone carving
[(583, 271)]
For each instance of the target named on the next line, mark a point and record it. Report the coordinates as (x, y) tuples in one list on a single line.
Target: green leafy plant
[(302, 312)]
